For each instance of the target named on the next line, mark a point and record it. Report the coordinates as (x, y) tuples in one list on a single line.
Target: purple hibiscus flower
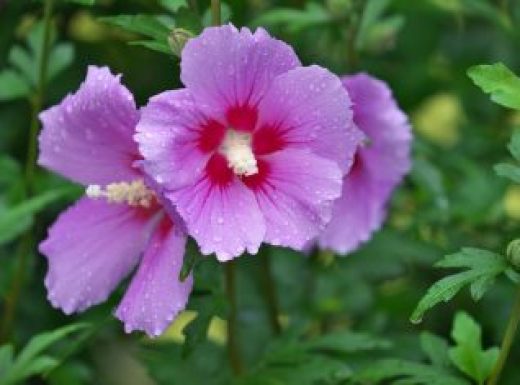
[(379, 166), (121, 223), (254, 149)]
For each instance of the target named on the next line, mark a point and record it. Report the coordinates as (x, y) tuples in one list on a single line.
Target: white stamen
[(133, 193), (236, 147)]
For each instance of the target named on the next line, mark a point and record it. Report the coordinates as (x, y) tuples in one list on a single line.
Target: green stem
[(37, 101), (215, 12), (509, 336), (232, 322), (269, 289), (26, 241)]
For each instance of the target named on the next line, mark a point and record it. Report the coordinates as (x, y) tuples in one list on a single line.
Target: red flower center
[(237, 148)]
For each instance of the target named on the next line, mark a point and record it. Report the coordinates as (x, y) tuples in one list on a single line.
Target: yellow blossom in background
[(511, 202), (217, 330), (438, 119)]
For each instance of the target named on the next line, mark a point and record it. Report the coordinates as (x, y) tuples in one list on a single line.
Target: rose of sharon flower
[(254, 148), (379, 166), (120, 223)]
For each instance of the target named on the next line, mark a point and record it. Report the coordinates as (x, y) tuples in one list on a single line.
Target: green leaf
[(147, 25), (514, 145), (154, 27), (173, 5), (436, 348), (373, 11), (29, 362), (295, 20), (468, 355), (6, 359), (61, 57), (499, 81), (82, 2), (12, 85), (346, 342), (429, 178), (17, 219), (153, 45), (482, 268), (509, 171), (10, 170), (23, 62), (407, 372)]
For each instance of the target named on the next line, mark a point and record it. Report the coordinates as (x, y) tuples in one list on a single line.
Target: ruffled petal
[(356, 215), (156, 295), (90, 248), (88, 136), (169, 134), (226, 68), (223, 218), (308, 108), (297, 196), (380, 165), (386, 126)]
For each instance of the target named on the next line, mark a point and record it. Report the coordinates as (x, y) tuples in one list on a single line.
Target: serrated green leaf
[(499, 81), (483, 267), (411, 372), (157, 28), (16, 220), (468, 355), (12, 85), (146, 25), (436, 348)]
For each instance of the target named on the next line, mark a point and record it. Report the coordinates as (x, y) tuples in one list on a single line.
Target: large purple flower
[(379, 165), (254, 148), (121, 223)]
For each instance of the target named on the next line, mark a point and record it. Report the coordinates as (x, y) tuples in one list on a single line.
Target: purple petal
[(379, 166), (90, 248), (224, 220), (88, 136), (225, 67), (156, 295), (311, 109), (168, 134), (298, 196)]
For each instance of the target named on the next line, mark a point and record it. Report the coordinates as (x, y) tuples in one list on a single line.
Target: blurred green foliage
[(345, 319)]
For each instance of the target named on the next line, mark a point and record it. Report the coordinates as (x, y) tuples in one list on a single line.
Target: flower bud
[(177, 40), (513, 253)]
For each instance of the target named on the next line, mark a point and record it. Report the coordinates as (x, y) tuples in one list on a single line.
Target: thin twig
[(232, 322), (269, 291), (507, 342)]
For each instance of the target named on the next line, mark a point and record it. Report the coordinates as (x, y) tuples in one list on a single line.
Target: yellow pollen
[(236, 147), (133, 193)]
